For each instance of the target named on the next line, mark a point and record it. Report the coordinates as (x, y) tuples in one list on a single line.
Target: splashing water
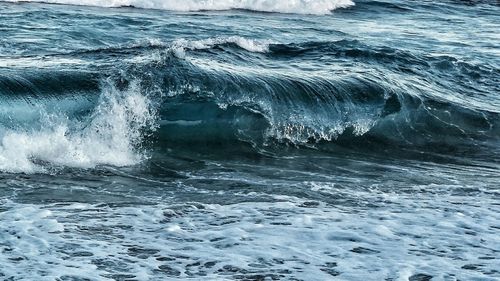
[(296, 6), (110, 135)]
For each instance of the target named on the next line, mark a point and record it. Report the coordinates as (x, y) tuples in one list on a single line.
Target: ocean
[(250, 140)]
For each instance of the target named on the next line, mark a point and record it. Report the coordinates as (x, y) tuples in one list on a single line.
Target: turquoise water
[(247, 140)]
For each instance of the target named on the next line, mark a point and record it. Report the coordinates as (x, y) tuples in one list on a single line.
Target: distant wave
[(318, 7), (247, 44)]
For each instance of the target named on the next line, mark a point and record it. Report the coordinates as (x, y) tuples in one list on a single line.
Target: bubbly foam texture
[(290, 6), (111, 135), (210, 241)]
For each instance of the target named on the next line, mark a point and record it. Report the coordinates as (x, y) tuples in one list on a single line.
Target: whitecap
[(318, 7)]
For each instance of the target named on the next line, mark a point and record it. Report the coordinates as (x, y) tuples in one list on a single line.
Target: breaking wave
[(111, 134), (191, 92), (296, 6)]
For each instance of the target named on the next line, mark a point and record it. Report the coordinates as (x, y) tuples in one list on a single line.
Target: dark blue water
[(247, 140)]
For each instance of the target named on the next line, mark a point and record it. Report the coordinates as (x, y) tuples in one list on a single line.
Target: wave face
[(303, 109), (318, 7)]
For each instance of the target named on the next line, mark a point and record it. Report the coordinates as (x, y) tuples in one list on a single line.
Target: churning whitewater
[(318, 7), (249, 140)]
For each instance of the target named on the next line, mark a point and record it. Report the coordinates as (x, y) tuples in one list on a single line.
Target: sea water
[(249, 140)]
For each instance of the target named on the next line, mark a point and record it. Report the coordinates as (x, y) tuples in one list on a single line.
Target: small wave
[(318, 7), (180, 46), (177, 47)]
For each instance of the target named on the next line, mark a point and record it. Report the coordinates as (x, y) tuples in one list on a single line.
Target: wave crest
[(318, 7)]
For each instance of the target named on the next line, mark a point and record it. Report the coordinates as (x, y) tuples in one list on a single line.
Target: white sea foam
[(287, 239), (180, 46), (290, 6), (110, 136)]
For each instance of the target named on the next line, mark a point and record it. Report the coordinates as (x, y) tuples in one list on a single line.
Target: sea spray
[(112, 135)]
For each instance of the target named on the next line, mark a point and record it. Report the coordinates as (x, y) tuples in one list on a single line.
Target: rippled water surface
[(247, 140)]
